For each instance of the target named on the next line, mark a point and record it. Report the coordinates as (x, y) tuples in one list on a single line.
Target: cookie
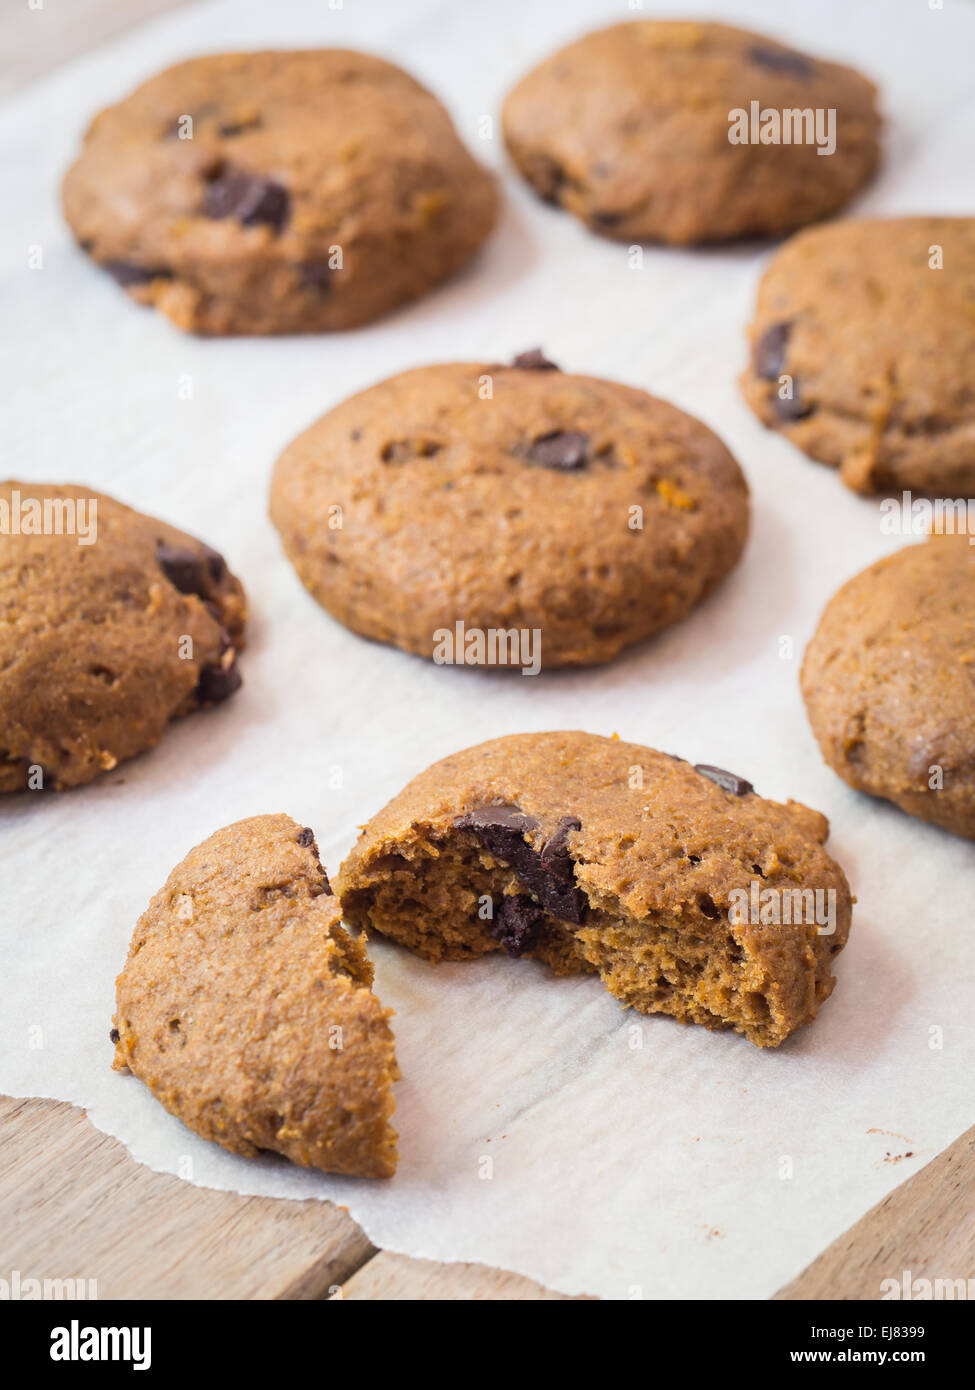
[(861, 347), (684, 890), (278, 192), (112, 624), (247, 1009), (662, 131), (889, 681), (514, 516)]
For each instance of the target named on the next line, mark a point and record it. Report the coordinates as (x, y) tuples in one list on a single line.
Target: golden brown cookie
[(111, 625), (247, 1009), (862, 345), (278, 192), (889, 681), (653, 131), (517, 516), (687, 893)]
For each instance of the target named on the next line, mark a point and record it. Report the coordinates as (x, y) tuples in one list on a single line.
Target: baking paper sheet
[(543, 1129)]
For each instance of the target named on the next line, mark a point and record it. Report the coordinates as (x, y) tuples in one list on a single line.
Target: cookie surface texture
[(597, 855), (553, 515), (247, 1009), (889, 681), (278, 192), (113, 624), (861, 351), (628, 128)]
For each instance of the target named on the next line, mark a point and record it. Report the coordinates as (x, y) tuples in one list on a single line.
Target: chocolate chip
[(218, 683), (114, 1035), (249, 198), (565, 450), (554, 857), (518, 924), (781, 60), (768, 354), (534, 360), (125, 274), (191, 571), (501, 830), (185, 569), (730, 781)]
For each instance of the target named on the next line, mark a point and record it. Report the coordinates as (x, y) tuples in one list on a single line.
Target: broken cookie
[(247, 1009), (687, 892)]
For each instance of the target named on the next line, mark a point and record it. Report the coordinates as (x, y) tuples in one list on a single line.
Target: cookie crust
[(583, 509), (627, 128), (103, 644), (889, 682), (247, 1009), (319, 190), (876, 340), (610, 858)]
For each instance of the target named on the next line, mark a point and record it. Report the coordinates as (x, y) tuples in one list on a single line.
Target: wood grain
[(927, 1226), (73, 1204)]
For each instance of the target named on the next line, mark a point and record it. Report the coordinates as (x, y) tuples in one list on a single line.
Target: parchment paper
[(690, 1165)]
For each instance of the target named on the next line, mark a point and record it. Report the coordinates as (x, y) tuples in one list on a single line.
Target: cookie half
[(278, 192), (861, 351), (687, 893), (653, 131), (486, 514), (247, 1009), (112, 624), (889, 681)]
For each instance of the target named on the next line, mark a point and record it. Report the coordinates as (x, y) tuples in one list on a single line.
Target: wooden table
[(72, 1201)]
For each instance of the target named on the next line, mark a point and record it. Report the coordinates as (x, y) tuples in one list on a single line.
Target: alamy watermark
[(492, 646), (793, 125), (22, 515), (759, 906), (908, 515)]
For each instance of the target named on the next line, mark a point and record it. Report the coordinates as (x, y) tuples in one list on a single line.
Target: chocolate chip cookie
[(686, 891), (278, 192), (691, 132), (516, 515), (247, 1009), (111, 625), (889, 681), (862, 345)]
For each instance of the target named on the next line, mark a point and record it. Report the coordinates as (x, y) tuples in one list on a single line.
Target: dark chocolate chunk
[(768, 354), (218, 683), (781, 60), (730, 781), (534, 360), (113, 1035), (191, 571), (185, 569), (249, 198), (501, 830), (554, 857), (517, 925), (125, 274), (565, 450)]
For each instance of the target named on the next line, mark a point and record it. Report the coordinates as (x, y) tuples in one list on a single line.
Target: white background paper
[(616, 1171)]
